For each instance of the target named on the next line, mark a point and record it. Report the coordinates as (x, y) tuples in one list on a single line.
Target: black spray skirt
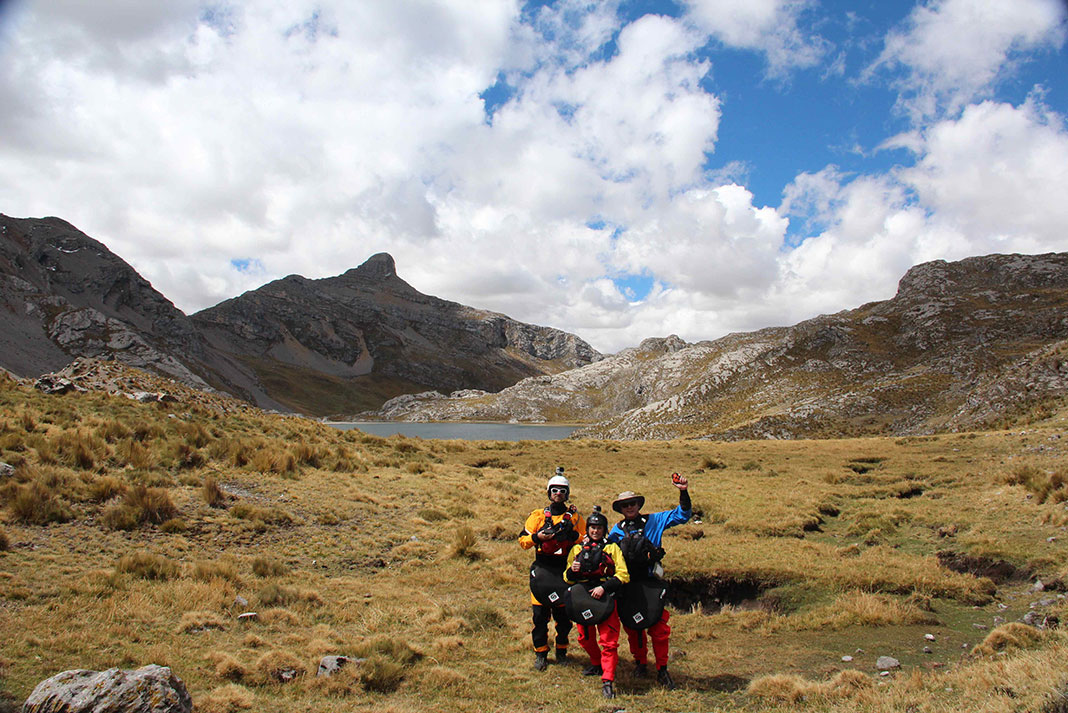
[(584, 609)]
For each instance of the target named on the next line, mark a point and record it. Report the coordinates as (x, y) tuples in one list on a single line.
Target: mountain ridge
[(912, 364), (65, 295)]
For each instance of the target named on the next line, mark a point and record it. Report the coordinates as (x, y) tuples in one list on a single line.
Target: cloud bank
[(539, 161)]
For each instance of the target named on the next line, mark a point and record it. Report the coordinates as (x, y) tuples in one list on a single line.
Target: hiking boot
[(607, 690), (541, 660), (664, 678), (592, 670), (561, 656), (640, 669)]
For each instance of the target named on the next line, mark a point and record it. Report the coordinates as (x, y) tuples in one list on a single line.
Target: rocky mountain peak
[(378, 267)]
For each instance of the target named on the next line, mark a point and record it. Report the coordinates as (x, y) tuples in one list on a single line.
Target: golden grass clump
[(211, 492), (145, 565), (139, 505), (174, 526), (197, 621), (36, 503), (465, 545), (278, 616), (261, 515), (263, 566), (135, 454), (278, 666), (865, 609), (1051, 486), (227, 699), (268, 460), (154, 504), (482, 617), (207, 570), (274, 594), (1013, 635), (227, 667), (105, 488), (381, 675), (792, 689)]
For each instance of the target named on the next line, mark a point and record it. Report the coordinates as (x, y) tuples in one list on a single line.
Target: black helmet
[(597, 518)]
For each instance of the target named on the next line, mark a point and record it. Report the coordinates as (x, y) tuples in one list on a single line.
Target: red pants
[(606, 655), (659, 633)]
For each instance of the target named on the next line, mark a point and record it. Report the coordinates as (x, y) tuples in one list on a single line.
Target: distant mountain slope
[(331, 346), (316, 342), (961, 345), (63, 295)]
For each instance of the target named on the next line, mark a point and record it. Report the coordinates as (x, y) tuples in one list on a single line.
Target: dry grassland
[(137, 533)]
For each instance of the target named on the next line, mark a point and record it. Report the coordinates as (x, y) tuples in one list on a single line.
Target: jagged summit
[(380, 266)]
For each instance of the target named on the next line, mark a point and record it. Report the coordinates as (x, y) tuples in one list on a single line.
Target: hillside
[(324, 346), (961, 345), (134, 533), (330, 346)]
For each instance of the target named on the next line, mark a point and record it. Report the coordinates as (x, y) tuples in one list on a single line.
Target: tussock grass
[(465, 545), (212, 494), (106, 487), (227, 667), (260, 515), (865, 609), (207, 570), (793, 689), (1009, 636), (264, 566), (36, 503), (5, 541), (278, 666), (227, 699), (146, 565), (196, 621)]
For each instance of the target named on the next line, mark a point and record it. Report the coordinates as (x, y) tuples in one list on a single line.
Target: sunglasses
[(628, 504), (553, 491)]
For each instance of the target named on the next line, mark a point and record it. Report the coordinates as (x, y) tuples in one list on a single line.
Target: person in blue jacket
[(640, 537)]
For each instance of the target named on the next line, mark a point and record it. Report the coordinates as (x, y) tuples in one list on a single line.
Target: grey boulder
[(149, 689)]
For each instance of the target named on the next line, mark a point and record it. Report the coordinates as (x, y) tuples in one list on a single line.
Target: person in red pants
[(639, 537), (599, 567)]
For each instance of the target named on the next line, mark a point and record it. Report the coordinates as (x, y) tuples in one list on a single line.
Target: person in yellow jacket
[(599, 566), (551, 531)]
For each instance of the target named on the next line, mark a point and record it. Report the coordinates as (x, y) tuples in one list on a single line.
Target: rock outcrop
[(962, 345), (150, 689)]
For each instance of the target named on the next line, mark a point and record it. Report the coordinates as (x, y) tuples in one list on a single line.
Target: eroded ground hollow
[(710, 594)]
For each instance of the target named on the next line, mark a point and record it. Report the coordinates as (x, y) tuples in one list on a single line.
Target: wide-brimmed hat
[(625, 497)]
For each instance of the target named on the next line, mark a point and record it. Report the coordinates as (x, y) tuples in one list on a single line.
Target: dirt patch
[(998, 571), (724, 683), (710, 594)]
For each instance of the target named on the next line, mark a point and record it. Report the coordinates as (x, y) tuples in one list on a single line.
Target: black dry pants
[(540, 633)]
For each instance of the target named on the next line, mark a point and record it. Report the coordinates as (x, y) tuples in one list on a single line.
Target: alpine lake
[(466, 431)]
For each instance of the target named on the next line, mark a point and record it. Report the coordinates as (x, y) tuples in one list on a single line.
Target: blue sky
[(618, 169)]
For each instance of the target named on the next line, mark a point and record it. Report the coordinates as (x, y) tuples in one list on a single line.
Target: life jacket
[(557, 546), (638, 550), (594, 562)]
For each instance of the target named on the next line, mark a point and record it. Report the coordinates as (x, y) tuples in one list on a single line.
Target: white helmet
[(558, 481)]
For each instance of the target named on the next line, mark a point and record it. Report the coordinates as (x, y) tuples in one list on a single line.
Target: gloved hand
[(565, 531)]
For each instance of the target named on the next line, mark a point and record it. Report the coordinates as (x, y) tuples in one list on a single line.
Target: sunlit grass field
[(137, 533)]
